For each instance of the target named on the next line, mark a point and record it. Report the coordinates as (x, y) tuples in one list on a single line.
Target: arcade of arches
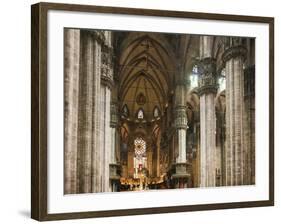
[(157, 111)]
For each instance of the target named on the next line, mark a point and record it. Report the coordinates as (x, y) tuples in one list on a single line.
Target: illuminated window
[(156, 112), (221, 81), (194, 77), (140, 160), (140, 114), (140, 147), (125, 111)]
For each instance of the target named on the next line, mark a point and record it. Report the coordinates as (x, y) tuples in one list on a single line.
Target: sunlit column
[(207, 91), (234, 58)]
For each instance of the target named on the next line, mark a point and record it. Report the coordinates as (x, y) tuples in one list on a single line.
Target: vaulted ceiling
[(145, 71)]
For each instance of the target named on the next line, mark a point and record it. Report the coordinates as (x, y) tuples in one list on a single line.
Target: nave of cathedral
[(145, 111)]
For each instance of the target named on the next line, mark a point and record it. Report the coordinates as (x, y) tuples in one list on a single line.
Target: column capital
[(234, 52), (180, 121), (96, 35), (107, 66), (207, 78)]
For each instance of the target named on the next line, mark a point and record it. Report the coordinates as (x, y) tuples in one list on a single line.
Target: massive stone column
[(249, 112), (85, 125), (233, 58), (105, 130), (71, 93), (181, 175), (207, 91), (89, 105), (181, 126)]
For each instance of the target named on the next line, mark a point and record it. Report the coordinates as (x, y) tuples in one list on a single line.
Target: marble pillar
[(105, 114), (98, 40), (71, 93), (181, 175), (181, 126), (85, 126), (233, 58), (180, 121), (207, 91)]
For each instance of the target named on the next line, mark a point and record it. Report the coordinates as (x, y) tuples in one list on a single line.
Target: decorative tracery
[(140, 147)]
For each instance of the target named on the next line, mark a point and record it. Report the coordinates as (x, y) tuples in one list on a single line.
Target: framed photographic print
[(138, 111)]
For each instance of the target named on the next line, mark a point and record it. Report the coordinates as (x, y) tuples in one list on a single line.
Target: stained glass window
[(125, 111), (156, 112), (221, 81), (140, 147), (140, 114), (194, 77)]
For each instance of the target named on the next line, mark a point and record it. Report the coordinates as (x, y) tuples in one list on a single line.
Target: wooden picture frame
[(39, 109)]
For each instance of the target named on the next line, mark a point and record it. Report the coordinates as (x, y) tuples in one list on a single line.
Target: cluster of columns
[(233, 57), (91, 117), (234, 160), (88, 82)]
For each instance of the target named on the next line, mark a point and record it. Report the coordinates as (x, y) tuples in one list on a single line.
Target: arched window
[(194, 76), (125, 111), (140, 160), (140, 114), (156, 112), (221, 80)]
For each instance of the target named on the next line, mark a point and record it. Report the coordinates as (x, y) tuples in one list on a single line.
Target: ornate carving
[(231, 42), (98, 36), (207, 76), (233, 52), (180, 121), (107, 66)]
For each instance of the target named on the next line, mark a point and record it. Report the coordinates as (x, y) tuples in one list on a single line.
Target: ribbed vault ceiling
[(146, 68)]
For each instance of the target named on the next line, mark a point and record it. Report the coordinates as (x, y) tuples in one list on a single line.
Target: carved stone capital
[(207, 76), (180, 115), (106, 80), (107, 66), (95, 35), (233, 52)]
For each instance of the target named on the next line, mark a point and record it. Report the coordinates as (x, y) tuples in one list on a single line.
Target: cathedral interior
[(145, 111)]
